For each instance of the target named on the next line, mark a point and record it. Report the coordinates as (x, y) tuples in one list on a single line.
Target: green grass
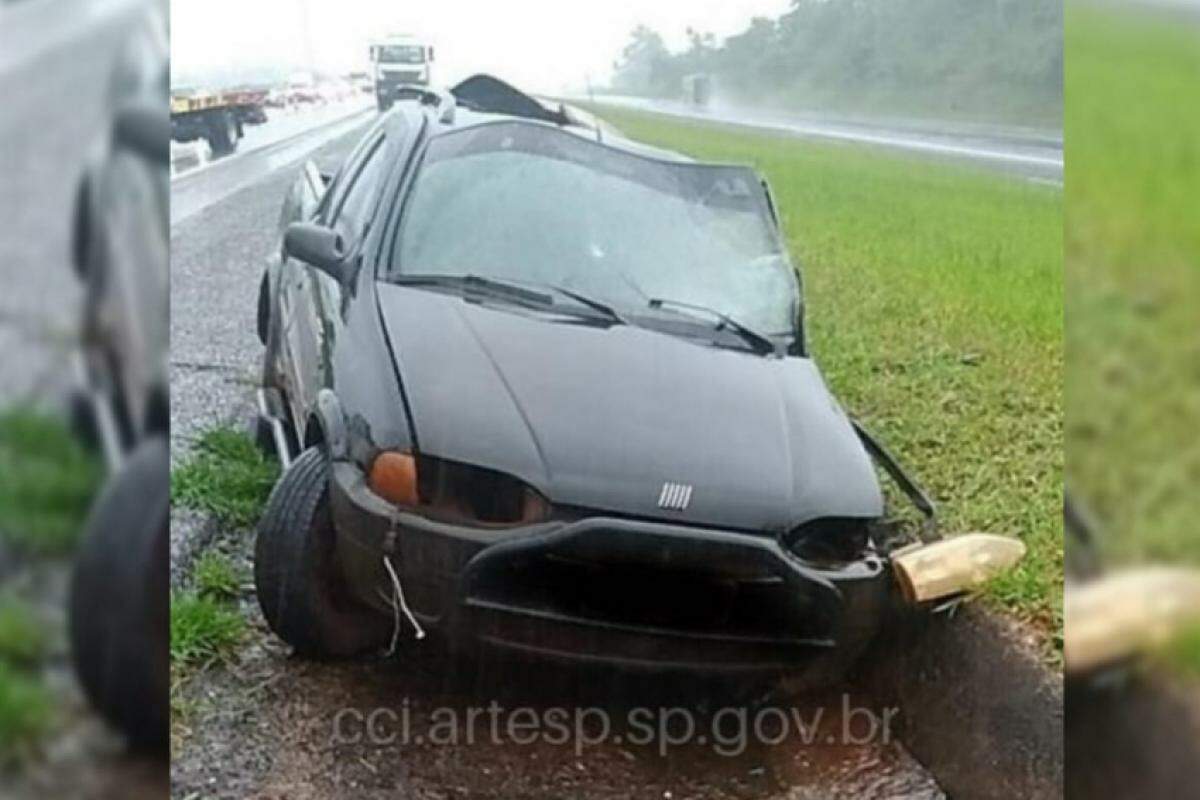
[(1133, 277), (47, 480), (23, 638), (934, 306), (203, 629), (227, 476), (26, 711), (216, 577), (206, 628)]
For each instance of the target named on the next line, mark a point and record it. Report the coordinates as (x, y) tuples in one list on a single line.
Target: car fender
[(329, 416)]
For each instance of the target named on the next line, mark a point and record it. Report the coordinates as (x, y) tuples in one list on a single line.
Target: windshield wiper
[(477, 283), (509, 291), (591, 302), (759, 341)]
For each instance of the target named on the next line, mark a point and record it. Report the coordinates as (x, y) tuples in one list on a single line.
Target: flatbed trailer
[(217, 117)]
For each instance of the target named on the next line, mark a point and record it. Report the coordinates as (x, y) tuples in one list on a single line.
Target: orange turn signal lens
[(394, 478)]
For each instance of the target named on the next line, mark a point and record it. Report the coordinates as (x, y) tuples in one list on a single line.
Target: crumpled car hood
[(602, 417)]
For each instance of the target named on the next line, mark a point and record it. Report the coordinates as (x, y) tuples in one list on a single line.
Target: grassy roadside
[(1133, 276), (26, 704), (206, 628), (227, 476), (47, 481), (934, 298)]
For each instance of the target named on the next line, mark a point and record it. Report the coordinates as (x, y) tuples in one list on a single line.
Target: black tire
[(81, 230), (300, 587), (119, 607), (264, 308), (83, 420), (222, 133)]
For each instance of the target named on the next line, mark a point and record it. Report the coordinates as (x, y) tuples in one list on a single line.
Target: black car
[(546, 389)]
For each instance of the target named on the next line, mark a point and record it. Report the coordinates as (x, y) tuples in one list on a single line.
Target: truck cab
[(396, 61)]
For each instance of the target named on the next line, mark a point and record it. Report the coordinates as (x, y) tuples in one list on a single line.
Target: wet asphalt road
[(262, 152), (1023, 153), (55, 60)]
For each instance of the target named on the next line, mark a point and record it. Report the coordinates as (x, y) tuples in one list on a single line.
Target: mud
[(981, 710), (271, 726), (1137, 737)]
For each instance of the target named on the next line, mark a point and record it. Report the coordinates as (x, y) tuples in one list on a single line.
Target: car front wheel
[(300, 588)]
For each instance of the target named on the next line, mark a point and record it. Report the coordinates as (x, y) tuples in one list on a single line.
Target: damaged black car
[(541, 388)]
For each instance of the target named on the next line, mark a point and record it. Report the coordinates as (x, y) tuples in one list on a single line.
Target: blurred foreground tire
[(120, 605)]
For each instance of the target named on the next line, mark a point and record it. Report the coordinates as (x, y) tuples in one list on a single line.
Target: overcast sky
[(540, 45)]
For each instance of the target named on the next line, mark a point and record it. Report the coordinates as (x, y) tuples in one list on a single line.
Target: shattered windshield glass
[(527, 202)]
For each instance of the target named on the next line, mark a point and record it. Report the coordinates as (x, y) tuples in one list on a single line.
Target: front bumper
[(618, 591)]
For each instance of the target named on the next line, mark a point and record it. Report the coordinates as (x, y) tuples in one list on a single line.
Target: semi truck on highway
[(697, 89), (397, 60), (216, 117)]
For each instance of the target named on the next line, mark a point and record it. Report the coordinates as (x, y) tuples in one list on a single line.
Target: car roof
[(484, 99)]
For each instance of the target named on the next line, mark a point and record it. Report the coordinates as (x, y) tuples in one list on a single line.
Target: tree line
[(998, 60)]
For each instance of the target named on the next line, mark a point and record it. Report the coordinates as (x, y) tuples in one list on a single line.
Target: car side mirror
[(319, 246)]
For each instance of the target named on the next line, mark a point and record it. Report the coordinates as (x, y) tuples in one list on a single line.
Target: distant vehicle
[(697, 89), (397, 61), (216, 117), (477, 337), (302, 88), (361, 82)]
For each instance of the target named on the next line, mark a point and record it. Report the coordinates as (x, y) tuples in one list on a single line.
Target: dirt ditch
[(969, 713)]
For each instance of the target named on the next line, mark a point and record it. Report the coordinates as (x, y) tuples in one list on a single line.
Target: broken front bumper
[(619, 591)]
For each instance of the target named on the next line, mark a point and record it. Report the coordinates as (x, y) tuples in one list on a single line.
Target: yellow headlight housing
[(455, 491), (393, 477)]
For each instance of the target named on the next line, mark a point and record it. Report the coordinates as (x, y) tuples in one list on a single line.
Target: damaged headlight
[(830, 541), (455, 491)]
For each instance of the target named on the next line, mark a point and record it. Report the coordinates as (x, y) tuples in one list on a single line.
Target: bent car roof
[(483, 99), (465, 118)]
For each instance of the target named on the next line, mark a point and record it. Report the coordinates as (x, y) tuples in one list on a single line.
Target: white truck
[(397, 60)]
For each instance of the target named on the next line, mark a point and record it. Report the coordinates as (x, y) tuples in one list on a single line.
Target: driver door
[(298, 348)]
